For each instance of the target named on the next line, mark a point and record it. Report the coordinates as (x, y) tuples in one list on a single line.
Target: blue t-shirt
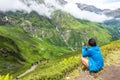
[(95, 59)]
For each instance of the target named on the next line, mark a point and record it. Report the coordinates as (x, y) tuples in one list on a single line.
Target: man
[(95, 60)]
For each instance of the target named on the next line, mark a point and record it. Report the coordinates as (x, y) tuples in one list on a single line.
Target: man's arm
[(85, 51)]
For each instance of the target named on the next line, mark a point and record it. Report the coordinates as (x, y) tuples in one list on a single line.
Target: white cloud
[(76, 12), (6, 5), (71, 7), (41, 9)]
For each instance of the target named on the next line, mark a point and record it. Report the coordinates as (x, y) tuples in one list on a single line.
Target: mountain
[(45, 31), (59, 30), (29, 34), (90, 8), (107, 12), (19, 50), (115, 25), (115, 14), (63, 5), (47, 7)]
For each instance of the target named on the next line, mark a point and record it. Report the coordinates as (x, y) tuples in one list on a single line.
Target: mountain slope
[(45, 32), (30, 37), (114, 27), (110, 54), (61, 30), (75, 31), (19, 50)]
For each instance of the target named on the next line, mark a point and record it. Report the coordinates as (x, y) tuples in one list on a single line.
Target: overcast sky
[(71, 7)]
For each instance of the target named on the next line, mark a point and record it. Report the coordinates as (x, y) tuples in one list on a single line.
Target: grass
[(75, 31), (110, 54), (22, 50), (70, 65), (6, 77), (55, 69), (26, 50)]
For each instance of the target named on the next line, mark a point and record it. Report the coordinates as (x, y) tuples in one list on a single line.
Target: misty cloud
[(50, 6), (75, 11), (7, 5)]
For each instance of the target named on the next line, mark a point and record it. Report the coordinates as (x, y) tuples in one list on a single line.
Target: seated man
[(95, 60)]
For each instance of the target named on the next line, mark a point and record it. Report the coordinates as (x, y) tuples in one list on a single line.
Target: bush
[(6, 77)]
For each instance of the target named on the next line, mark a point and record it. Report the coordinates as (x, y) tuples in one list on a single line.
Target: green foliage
[(19, 50), (110, 52), (56, 71), (29, 37), (6, 77), (114, 28), (76, 31), (112, 22), (62, 29)]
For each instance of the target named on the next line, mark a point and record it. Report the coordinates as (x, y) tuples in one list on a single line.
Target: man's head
[(92, 42)]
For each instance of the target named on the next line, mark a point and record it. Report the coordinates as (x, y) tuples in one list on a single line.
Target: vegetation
[(26, 38), (19, 50), (114, 28), (6, 77), (61, 30), (75, 31), (55, 71), (58, 70), (110, 54)]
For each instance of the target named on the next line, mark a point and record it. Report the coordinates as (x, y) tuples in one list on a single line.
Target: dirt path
[(33, 67), (84, 75), (28, 71), (110, 73)]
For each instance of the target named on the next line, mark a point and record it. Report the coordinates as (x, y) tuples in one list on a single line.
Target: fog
[(50, 6)]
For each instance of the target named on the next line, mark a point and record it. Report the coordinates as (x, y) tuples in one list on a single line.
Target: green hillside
[(26, 38), (74, 31), (67, 65), (114, 27), (61, 29), (20, 50)]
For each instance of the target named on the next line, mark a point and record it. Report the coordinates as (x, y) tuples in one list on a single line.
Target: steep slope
[(19, 50), (64, 69), (114, 27), (36, 25), (61, 30), (74, 31), (30, 37)]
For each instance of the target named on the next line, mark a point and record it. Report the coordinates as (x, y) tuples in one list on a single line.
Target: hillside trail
[(33, 67), (109, 72)]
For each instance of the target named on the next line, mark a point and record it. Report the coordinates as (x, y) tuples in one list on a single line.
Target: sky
[(71, 7)]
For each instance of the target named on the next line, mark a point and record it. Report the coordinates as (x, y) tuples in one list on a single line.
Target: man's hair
[(92, 42)]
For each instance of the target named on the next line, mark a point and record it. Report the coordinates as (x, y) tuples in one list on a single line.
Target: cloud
[(76, 12), (6, 5), (49, 6)]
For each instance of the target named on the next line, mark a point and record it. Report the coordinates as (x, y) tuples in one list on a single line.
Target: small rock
[(67, 78)]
